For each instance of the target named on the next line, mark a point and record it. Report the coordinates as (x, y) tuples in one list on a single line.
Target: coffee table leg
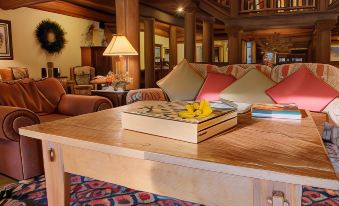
[(57, 181)]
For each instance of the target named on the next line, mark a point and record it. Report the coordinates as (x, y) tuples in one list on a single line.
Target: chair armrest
[(13, 118), (149, 94), (74, 105)]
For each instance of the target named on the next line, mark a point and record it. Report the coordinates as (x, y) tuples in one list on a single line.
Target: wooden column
[(323, 40), (149, 40), (322, 4), (234, 44), (173, 55), (208, 40), (189, 36), (127, 23)]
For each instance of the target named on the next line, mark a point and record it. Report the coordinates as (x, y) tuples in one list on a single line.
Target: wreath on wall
[(51, 36)]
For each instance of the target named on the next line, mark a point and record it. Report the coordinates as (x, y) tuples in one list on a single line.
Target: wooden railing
[(275, 6), (224, 3)]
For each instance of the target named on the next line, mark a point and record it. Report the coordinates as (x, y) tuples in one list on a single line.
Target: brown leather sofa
[(28, 102)]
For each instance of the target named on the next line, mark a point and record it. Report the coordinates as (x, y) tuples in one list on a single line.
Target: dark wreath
[(51, 36)]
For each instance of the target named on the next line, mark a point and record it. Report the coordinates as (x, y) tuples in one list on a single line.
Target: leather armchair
[(20, 156)]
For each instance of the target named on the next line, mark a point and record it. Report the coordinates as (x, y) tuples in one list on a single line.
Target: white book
[(162, 120)]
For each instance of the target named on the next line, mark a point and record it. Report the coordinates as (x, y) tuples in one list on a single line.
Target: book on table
[(161, 119), (278, 111)]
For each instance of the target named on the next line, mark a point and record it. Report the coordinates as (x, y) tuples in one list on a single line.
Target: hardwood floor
[(4, 180)]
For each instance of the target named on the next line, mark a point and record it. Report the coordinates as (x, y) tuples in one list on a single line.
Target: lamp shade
[(120, 46)]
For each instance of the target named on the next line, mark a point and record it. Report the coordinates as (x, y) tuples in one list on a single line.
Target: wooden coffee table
[(257, 160)]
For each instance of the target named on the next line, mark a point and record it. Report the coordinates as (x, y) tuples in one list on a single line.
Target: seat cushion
[(182, 83), (213, 85), (52, 117), (249, 89), (303, 89)]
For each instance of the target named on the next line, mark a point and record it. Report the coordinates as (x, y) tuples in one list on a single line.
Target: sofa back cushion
[(213, 85), (304, 89), (182, 83), (52, 89), (6, 74), (249, 89), (25, 94), (325, 72)]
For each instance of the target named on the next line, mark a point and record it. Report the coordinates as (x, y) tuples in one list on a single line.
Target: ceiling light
[(180, 9)]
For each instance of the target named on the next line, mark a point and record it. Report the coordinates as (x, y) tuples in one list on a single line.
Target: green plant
[(51, 36)]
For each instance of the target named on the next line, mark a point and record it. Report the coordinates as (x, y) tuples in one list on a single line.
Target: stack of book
[(278, 111), (162, 119)]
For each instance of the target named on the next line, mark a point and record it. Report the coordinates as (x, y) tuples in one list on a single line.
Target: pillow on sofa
[(213, 85), (332, 109), (303, 89), (182, 83), (249, 89), (6, 74)]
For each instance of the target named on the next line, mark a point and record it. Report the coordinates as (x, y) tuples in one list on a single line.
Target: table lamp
[(120, 46)]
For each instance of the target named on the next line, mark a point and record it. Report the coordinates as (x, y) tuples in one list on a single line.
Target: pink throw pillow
[(213, 85), (304, 89)]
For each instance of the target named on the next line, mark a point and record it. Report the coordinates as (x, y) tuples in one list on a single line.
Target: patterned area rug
[(89, 192)]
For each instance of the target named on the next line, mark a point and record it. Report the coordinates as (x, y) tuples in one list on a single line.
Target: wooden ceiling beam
[(14, 4), (147, 11), (100, 5), (214, 10), (74, 10)]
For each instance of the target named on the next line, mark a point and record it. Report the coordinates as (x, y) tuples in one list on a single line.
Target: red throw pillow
[(213, 85), (304, 89)]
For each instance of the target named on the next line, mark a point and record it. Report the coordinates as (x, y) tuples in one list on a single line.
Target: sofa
[(28, 102), (325, 72)]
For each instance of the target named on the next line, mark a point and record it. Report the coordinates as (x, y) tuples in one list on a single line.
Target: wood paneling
[(74, 10), (14, 4)]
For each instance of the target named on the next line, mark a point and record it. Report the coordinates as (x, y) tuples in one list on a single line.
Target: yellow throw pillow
[(249, 89), (182, 83)]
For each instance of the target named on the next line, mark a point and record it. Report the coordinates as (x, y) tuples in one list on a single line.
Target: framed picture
[(6, 48)]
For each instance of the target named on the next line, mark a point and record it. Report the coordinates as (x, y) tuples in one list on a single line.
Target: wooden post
[(208, 40), (234, 44), (173, 56), (189, 37), (149, 40), (323, 40), (127, 23), (57, 181)]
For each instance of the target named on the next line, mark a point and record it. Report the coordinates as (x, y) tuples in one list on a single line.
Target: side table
[(118, 98)]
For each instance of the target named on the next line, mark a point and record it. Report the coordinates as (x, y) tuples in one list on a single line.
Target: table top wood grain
[(294, 148)]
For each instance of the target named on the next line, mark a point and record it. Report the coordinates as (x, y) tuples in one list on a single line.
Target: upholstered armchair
[(27, 102), (82, 77)]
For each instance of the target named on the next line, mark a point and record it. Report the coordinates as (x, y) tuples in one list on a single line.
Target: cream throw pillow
[(249, 89), (182, 83)]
